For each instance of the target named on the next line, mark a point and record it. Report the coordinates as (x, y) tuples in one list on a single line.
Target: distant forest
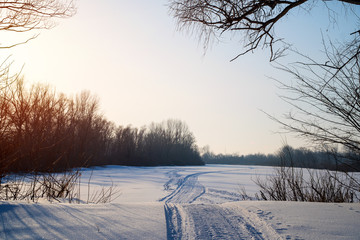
[(291, 157), (42, 131)]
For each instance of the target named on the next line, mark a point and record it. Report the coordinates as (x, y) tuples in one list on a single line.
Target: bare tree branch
[(27, 15), (326, 97), (256, 19)]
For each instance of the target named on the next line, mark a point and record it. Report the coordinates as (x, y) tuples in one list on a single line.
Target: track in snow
[(184, 189), (186, 219), (214, 221), (188, 189)]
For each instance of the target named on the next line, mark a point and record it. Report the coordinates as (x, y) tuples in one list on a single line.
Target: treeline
[(291, 157), (41, 130)]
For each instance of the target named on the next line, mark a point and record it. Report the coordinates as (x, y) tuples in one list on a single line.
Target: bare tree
[(325, 98), (255, 18), (325, 93)]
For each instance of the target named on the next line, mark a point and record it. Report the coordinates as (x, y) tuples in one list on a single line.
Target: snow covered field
[(201, 202)]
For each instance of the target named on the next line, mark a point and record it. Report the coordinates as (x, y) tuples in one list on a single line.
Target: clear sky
[(143, 70)]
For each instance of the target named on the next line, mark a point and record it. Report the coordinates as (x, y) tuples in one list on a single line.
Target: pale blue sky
[(130, 55)]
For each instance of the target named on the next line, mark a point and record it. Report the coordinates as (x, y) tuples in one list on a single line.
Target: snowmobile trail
[(187, 190), (186, 219), (215, 221)]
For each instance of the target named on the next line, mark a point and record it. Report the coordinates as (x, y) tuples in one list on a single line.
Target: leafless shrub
[(11, 189), (245, 196), (288, 184), (292, 184), (104, 195), (53, 187)]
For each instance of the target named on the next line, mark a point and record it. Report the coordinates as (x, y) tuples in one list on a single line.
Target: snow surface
[(201, 202)]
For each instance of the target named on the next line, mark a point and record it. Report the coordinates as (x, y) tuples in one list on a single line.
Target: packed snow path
[(185, 220), (215, 221), (188, 189)]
